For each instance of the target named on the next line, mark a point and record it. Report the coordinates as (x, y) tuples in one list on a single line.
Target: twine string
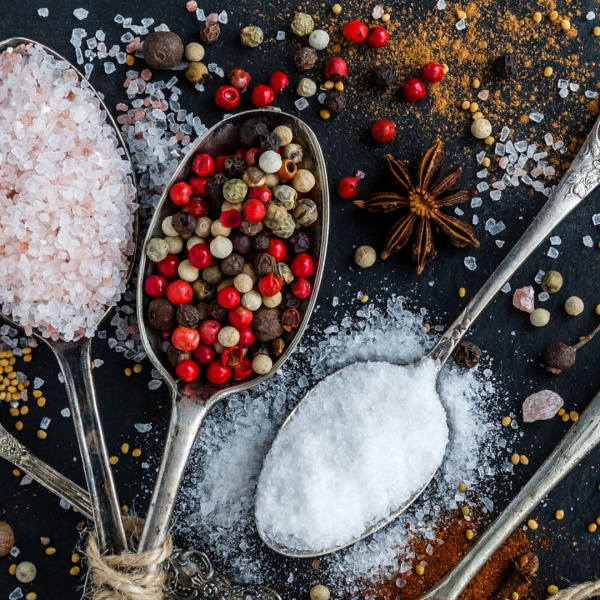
[(579, 592)]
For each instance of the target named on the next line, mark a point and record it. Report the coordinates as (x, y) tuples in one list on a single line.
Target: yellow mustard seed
[(445, 68), (592, 527), (125, 509), (50, 550), (475, 83), (385, 17), (336, 9), (42, 435), (465, 510), (574, 416), (486, 162), (461, 292), (566, 418), (565, 24), (16, 472), (137, 368), (532, 524), (339, 86), (128, 372), (489, 140), (597, 31), (469, 534), (130, 60), (41, 401), (364, 298), (125, 448), (523, 460), (597, 310), (465, 105), (80, 526), (24, 410), (19, 425), (36, 394), (598, 521), (419, 569), (75, 571), (473, 107), (325, 114), (461, 14), (328, 85), (552, 590), (553, 15), (113, 460), (548, 72), (14, 412), (31, 596), (27, 358), (515, 458), (537, 17), (506, 421), (514, 596), (12, 569), (75, 558), (477, 115), (137, 452), (427, 327), (560, 515), (26, 350), (561, 412), (462, 486)]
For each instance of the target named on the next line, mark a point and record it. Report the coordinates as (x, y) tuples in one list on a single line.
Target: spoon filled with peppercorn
[(232, 264), (325, 484)]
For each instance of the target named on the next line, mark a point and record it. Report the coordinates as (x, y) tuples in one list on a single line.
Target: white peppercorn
[(218, 347), (318, 39), (306, 88), (304, 181), (365, 256), (574, 306), (187, 271), (286, 135), (235, 190), (254, 177), (203, 226), (243, 283), (157, 249), (251, 300), (221, 247), (294, 152), (319, 592), (194, 241), (249, 270), (231, 206), (270, 161), (228, 336), (262, 364), (194, 52), (271, 180), (25, 572), (539, 317), (217, 228), (167, 227), (481, 128), (272, 301), (175, 244), (306, 212)]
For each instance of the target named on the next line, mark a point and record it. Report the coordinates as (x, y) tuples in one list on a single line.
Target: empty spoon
[(75, 364), (579, 181)]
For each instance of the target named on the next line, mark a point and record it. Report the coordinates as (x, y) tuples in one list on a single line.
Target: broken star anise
[(423, 200)]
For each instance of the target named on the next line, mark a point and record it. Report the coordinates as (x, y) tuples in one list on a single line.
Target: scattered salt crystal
[(45, 423), (504, 133), (441, 4), (564, 92), (80, 13), (483, 173), (14, 552), (484, 94), (536, 117), (555, 240), (588, 242), (590, 16), (459, 212), (98, 362), (500, 244), (143, 427), (543, 296), (480, 156), (37, 383), (377, 11), (154, 384), (301, 103), (109, 67), (16, 594), (482, 186), (495, 194), (574, 87), (200, 14), (548, 139), (162, 27), (460, 25), (43, 12), (280, 36), (64, 504), (27, 479), (476, 201), (562, 83), (596, 219), (552, 252), (222, 18), (500, 149), (65, 412), (503, 162), (521, 146), (539, 275), (475, 220), (524, 299), (591, 94), (541, 406), (470, 263)]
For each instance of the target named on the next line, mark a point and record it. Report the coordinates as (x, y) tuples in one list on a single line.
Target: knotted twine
[(579, 592), (127, 576)]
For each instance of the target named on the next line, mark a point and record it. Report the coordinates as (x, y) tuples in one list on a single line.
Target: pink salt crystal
[(524, 298), (192, 5), (212, 17), (146, 74), (133, 45), (139, 114), (125, 119), (146, 101), (360, 175), (541, 406), (484, 94), (122, 107), (126, 82)]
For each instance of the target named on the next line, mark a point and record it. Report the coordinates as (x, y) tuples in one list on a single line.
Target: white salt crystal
[(543, 296), (45, 423), (88, 68), (14, 552), (521, 146), (591, 94), (109, 67), (43, 12), (460, 25), (552, 252), (143, 427), (475, 220), (154, 384), (500, 243), (482, 186), (536, 117), (480, 156), (222, 18), (564, 92), (80, 13), (16, 594), (459, 212), (64, 504), (476, 201), (596, 219), (555, 240), (200, 14), (377, 11), (301, 103), (119, 19), (562, 83), (470, 263), (504, 133), (500, 149), (65, 412), (280, 36), (441, 4), (495, 194), (506, 288), (588, 242), (590, 15), (37, 383), (483, 173), (574, 87)]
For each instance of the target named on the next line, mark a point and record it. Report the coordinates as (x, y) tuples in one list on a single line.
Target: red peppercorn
[(179, 292), (239, 79), (203, 165), (432, 72), (155, 286), (200, 256), (383, 131), (219, 164), (185, 339), (347, 187), (378, 37), (262, 95), (269, 285), (262, 193), (300, 288), (278, 81), (199, 185), (180, 193), (414, 90), (217, 373), (228, 297), (355, 31), (187, 370), (336, 69), (254, 211), (246, 337), (227, 97), (252, 155), (231, 218), (243, 370), (209, 331), (168, 266), (302, 265), (276, 249), (204, 354), (199, 207), (240, 317)]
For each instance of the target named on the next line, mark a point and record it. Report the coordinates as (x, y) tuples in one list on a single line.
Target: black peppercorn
[(559, 357), (466, 354), (184, 222), (269, 141), (298, 242), (188, 316), (289, 301), (264, 264), (335, 102), (250, 131), (260, 242), (267, 324), (251, 229), (242, 244), (277, 347), (305, 58), (214, 186), (161, 314), (202, 308), (506, 65), (232, 265), (175, 356), (217, 312), (209, 32), (382, 75), (234, 166)]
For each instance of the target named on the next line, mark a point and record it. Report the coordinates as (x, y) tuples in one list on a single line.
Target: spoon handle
[(582, 177), (75, 363), (186, 419), (581, 439)]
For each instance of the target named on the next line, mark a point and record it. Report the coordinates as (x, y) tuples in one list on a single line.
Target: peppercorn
[(286, 227), (267, 324), (320, 592), (252, 36), (213, 274), (275, 214), (254, 177), (574, 306), (242, 244), (234, 166), (157, 249), (232, 265), (184, 223), (234, 191), (217, 312), (383, 75), (175, 356), (209, 32), (194, 52), (286, 135), (214, 186), (466, 354), (552, 281), (250, 131), (335, 102), (290, 319), (264, 264), (162, 50), (260, 242), (251, 229), (559, 357), (262, 364), (306, 88), (506, 65), (196, 71), (7, 539), (299, 242), (304, 181), (187, 315), (481, 129), (302, 24), (286, 196), (293, 152), (318, 39), (365, 256), (175, 244), (306, 212), (305, 58), (252, 300), (539, 317), (269, 141), (203, 290), (161, 314), (277, 347), (284, 272), (25, 572)]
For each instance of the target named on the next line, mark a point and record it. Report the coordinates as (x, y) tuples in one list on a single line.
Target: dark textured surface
[(503, 333)]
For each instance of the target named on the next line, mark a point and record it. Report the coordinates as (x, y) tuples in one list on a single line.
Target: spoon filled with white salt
[(366, 441)]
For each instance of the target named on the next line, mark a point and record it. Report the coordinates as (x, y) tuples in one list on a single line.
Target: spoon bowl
[(75, 364)]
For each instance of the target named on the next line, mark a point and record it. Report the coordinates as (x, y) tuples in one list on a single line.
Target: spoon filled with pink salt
[(67, 234), (366, 441)]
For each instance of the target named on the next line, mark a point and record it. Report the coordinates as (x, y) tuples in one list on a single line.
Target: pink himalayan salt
[(192, 5), (66, 199), (524, 299), (212, 17), (541, 406), (133, 45), (122, 107), (145, 75), (484, 94)]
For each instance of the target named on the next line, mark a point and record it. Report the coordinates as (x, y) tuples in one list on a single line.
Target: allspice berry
[(559, 357), (506, 65), (194, 52), (209, 32), (365, 256), (7, 539), (267, 324), (540, 317), (383, 75), (252, 36), (552, 281), (466, 354), (162, 50), (574, 306), (196, 71)]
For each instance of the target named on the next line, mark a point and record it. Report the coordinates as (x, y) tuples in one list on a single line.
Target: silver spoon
[(75, 363), (192, 402), (578, 182)]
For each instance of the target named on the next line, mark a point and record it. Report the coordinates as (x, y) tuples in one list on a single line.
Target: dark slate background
[(572, 553)]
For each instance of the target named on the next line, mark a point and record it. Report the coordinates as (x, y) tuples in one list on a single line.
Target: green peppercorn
[(302, 24), (552, 281), (306, 88), (235, 191), (286, 227), (252, 36), (286, 195), (157, 249)]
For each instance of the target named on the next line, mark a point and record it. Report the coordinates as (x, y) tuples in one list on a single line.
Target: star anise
[(423, 200)]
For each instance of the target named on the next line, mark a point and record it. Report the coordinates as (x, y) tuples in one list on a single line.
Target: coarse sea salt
[(356, 451), (66, 199)]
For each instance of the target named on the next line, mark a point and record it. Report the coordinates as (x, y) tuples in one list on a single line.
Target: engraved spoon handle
[(581, 439), (579, 181), (14, 452)]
